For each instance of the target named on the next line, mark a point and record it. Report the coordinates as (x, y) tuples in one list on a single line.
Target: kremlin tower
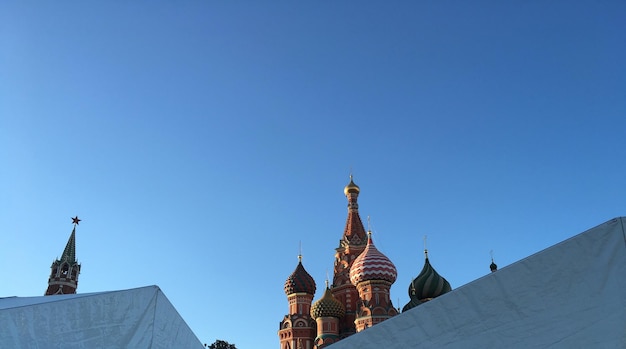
[(64, 271)]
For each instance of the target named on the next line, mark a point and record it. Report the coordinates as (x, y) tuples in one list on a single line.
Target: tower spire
[(69, 253), (64, 271), (352, 243), (354, 225)]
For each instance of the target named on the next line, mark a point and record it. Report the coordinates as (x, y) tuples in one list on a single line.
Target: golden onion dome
[(351, 187), (327, 306)]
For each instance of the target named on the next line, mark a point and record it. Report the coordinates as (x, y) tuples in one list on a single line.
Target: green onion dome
[(411, 304), (428, 284), (493, 266), (300, 281), (327, 306)]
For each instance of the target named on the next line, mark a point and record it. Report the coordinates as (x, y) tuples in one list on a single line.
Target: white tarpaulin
[(136, 318), (571, 295)]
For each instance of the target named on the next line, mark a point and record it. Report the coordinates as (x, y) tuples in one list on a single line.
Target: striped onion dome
[(371, 264), (428, 284), (300, 281), (411, 304), (327, 306)]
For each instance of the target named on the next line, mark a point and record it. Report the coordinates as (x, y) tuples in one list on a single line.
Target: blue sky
[(201, 141)]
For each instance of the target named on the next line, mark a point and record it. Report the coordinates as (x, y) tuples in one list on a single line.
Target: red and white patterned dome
[(300, 281), (371, 264)]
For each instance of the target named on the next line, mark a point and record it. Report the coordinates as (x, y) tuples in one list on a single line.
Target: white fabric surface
[(571, 295), (135, 318)]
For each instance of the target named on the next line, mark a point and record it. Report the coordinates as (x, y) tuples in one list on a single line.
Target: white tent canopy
[(135, 318), (571, 295)]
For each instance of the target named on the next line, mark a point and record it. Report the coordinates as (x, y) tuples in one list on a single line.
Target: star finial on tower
[(75, 220)]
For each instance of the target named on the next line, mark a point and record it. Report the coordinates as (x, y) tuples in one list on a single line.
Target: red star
[(75, 220)]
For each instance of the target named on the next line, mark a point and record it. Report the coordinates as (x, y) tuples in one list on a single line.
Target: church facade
[(358, 297)]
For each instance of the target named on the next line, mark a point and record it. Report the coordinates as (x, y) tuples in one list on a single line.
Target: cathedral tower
[(64, 271), (373, 274), (351, 245), (297, 330), (327, 311)]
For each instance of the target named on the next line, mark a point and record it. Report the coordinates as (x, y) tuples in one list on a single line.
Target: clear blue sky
[(200, 141)]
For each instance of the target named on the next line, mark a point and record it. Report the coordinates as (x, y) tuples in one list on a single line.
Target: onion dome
[(428, 284), (351, 187), (327, 306), (371, 264), (300, 281), (493, 266), (414, 302)]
